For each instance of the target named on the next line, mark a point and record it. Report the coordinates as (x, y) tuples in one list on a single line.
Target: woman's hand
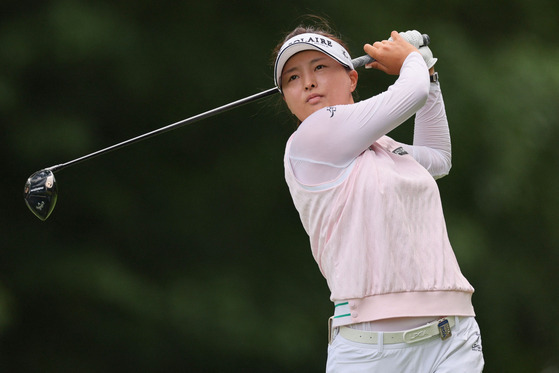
[(389, 55)]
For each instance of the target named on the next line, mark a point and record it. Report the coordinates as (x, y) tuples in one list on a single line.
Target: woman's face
[(311, 80)]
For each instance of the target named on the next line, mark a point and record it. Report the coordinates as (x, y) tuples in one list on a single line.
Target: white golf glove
[(428, 56), (415, 38)]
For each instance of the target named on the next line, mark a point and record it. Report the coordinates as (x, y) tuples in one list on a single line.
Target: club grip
[(426, 40), (363, 60)]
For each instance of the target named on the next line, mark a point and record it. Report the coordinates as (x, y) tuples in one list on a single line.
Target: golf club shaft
[(357, 62), (167, 128)]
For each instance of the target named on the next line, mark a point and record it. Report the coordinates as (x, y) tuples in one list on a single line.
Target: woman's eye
[(292, 77), (319, 67)]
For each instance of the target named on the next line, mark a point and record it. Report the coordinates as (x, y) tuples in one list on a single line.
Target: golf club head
[(40, 193)]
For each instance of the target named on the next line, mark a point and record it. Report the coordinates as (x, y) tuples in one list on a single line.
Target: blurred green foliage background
[(184, 252)]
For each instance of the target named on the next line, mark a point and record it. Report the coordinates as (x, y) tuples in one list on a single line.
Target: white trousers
[(461, 353)]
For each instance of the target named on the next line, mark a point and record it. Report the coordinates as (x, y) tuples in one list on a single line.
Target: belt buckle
[(444, 329)]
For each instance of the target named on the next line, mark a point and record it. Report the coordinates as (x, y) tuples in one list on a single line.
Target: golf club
[(41, 191)]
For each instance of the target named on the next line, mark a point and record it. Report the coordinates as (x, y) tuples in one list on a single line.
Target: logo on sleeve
[(400, 151)]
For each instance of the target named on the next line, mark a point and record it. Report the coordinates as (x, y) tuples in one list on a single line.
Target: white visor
[(305, 42)]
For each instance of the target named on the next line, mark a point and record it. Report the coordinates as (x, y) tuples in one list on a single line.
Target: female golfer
[(372, 209)]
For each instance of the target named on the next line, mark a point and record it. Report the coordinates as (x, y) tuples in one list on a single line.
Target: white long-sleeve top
[(371, 205)]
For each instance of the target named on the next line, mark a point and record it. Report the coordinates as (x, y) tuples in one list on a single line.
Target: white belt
[(441, 327)]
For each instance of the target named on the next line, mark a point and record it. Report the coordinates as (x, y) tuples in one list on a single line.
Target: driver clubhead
[(40, 193)]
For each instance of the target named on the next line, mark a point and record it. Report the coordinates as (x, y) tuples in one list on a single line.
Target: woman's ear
[(353, 77)]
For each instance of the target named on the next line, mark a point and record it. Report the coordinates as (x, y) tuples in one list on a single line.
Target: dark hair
[(316, 25)]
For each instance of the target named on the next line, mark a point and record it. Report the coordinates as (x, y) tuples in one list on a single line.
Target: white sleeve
[(331, 138), (431, 140)]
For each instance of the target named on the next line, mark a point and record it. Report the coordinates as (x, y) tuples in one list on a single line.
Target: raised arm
[(431, 142)]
